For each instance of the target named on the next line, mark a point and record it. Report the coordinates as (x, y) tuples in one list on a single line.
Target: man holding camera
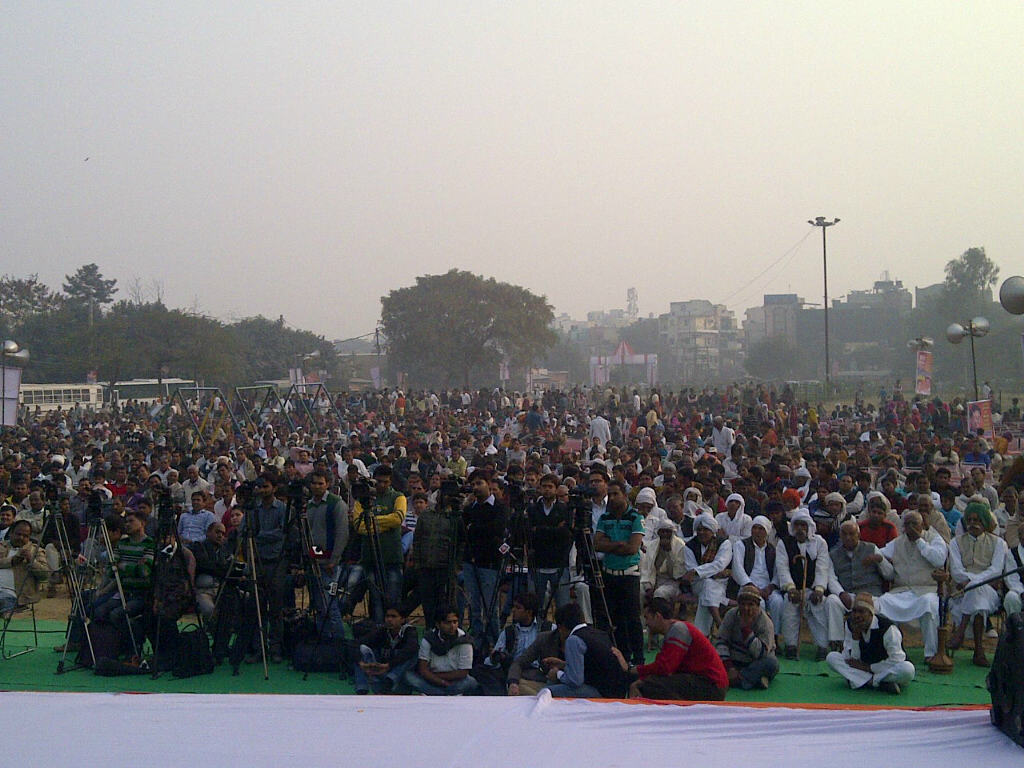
[(439, 535), (327, 517), (377, 518)]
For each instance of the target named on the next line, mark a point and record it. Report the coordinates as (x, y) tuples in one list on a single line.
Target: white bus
[(50, 397), (145, 391)]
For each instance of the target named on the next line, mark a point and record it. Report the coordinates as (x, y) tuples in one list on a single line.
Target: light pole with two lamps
[(976, 328)]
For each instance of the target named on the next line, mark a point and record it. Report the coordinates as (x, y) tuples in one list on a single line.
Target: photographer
[(436, 544), (267, 523), (327, 517), (377, 519), (549, 534), (486, 520), (213, 559)]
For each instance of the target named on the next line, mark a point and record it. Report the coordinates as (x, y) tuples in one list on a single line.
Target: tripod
[(242, 576), (76, 586), (368, 528), (591, 566), (113, 559)]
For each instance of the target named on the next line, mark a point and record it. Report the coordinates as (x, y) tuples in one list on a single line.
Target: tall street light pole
[(976, 328), (824, 223)]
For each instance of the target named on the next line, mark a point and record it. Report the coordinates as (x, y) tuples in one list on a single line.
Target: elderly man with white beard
[(707, 571), (803, 568)]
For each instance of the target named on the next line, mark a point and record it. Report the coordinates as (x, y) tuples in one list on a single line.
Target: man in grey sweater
[(746, 642)]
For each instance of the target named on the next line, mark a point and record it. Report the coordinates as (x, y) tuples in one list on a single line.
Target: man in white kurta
[(915, 556), (975, 557), (803, 568), (663, 564), (734, 523), (761, 573), (872, 654), (707, 571)]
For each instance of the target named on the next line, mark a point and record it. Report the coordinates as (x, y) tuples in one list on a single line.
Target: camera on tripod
[(580, 506), (364, 490)]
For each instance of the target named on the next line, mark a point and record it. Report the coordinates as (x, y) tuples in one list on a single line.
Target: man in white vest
[(916, 555)]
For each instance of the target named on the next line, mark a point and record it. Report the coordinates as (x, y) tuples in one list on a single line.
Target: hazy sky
[(304, 158)]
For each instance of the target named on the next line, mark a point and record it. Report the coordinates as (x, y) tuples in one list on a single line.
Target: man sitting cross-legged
[(872, 655)]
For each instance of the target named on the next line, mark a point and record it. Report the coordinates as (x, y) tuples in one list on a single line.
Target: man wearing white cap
[(753, 562), (663, 564), (803, 567), (734, 523), (872, 655), (647, 506), (707, 571)]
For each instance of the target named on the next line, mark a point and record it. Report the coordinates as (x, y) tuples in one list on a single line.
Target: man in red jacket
[(687, 666)]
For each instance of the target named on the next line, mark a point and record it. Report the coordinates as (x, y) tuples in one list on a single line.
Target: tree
[(457, 326), (771, 358), (21, 298), (271, 348), (970, 279), (87, 289)]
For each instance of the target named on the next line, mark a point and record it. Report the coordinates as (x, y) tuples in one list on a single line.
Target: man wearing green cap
[(974, 557)]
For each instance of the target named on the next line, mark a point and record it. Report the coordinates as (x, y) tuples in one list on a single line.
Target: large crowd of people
[(549, 539)]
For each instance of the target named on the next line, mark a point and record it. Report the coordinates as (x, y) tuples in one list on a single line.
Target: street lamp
[(14, 357), (976, 327), (824, 223), (1011, 295)]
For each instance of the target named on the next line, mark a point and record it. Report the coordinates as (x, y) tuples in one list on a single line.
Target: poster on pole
[(11, 385), (923, 379), (979, 416)]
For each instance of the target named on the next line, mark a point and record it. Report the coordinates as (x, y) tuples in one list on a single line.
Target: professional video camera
[(363, 490), (580, 506), (519, 496)]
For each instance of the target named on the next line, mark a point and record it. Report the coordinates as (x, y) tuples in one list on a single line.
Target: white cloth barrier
[(272, 730)]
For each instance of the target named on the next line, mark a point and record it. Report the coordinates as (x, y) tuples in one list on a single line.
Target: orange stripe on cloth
[(797, 705)]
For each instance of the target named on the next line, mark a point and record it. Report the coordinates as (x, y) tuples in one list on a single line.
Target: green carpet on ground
[(799, 682)]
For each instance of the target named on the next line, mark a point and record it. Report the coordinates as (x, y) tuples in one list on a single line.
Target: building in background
[(704, 339)]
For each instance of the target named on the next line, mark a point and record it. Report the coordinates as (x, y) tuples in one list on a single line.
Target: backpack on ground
[(193, 655)]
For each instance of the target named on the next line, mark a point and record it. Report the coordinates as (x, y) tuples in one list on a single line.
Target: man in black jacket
[(486, 519), (387, 653), (549, 535)]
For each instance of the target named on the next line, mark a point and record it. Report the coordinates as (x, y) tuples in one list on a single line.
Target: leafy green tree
[(772, 358), (271, 348), (458, 327), (970, 279), (88, 291), (20, 298)]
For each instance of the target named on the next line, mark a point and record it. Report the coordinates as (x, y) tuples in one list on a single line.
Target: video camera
[(581, 506), (364, 490)]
